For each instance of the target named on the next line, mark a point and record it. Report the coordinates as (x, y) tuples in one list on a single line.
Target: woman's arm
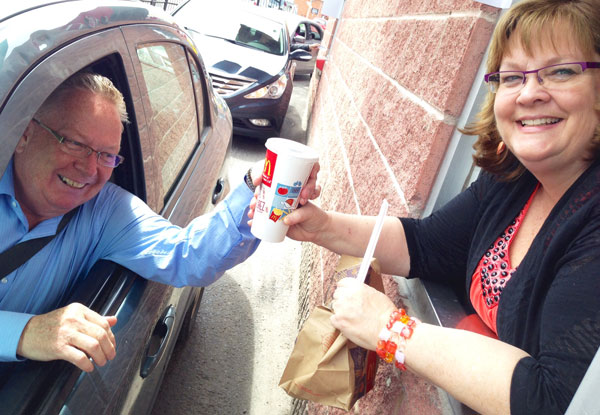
[(475, 369), (347, 234)]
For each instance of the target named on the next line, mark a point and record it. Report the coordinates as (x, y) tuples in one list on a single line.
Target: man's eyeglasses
[(77, 149), (551, 77)]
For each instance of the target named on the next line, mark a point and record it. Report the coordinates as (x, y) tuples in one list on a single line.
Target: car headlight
[(272, 91)]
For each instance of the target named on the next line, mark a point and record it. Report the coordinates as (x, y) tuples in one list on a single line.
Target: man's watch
[(248, 180)]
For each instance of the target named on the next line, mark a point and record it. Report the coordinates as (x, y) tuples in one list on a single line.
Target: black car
[(174, 147), (247, 52)]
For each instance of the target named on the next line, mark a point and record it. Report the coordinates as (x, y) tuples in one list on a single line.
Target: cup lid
[(283, 146)]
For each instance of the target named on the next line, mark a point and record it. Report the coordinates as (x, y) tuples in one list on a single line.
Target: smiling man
[(54, 174), (62, 164), (60, 168)]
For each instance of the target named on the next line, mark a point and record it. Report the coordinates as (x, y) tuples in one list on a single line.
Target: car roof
[(34, 29), (290, 20), (11, 8), (230, 6)]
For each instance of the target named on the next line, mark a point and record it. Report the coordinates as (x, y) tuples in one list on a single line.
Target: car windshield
[(240, 27)]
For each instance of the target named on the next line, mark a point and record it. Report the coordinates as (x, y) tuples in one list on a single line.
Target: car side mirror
[(300, 55)]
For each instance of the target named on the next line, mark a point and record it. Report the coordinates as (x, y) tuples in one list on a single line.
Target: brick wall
[(385, 107), (305, 8)]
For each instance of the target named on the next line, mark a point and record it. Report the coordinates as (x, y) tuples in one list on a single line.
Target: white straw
[(364, 266)]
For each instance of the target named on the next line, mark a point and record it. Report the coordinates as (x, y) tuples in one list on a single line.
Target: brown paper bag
[(324, 366)]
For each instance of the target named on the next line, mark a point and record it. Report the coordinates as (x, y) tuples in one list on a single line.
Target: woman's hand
[(307, 223), (360, 312)]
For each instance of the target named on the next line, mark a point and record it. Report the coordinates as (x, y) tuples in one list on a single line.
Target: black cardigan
[(550, 308)]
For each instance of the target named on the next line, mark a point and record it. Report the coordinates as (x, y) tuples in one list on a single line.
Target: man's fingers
[(78, 358), (112, 320), (100, 350), (98, 321)]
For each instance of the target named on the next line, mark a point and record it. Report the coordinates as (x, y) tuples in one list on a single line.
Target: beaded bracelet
[(400, 326)]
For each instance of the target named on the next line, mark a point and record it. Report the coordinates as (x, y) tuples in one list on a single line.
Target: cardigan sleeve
[(439, 244)]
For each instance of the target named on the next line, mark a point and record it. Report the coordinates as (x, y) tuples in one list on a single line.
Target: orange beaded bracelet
[(400, 326)]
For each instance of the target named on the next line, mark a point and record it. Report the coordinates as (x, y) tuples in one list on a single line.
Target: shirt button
[(4, 280), (242, 243), (14, 204)]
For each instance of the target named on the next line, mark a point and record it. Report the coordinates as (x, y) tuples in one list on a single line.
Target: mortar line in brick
[(423, 17), (386, 164), (344, 153), (427, 107)]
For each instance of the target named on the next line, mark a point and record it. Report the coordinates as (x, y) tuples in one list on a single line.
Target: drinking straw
[(364, 266)]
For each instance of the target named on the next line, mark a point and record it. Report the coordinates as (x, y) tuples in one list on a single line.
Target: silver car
[(174, 148)]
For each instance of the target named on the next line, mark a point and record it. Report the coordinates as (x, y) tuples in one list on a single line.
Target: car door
[(37, 387), (309, 33), (182, 150), (149, 314)]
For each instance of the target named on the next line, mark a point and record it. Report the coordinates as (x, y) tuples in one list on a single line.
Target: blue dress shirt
[(117, 226)]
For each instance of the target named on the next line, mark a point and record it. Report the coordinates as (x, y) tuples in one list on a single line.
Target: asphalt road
[(247, 322)]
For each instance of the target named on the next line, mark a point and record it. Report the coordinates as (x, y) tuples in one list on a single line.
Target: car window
[(172, 120), (301, 30), (314, 32)]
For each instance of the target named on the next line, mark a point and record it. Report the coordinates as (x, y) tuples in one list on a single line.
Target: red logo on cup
[(267, 177)]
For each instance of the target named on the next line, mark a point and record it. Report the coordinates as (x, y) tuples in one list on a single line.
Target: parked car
[(247, 52), (304, 32), (174, 149)]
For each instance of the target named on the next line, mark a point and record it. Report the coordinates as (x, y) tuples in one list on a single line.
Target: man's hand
[(73, 333)]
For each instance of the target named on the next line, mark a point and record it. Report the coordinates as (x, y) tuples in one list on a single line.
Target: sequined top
[(494, 271)]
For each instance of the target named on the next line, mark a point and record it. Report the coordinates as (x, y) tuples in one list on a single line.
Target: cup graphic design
[(287, 167)]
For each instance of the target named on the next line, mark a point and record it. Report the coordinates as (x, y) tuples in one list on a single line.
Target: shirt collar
[(7, 185)]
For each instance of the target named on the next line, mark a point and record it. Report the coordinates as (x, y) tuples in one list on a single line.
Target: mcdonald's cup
[(287, 167)]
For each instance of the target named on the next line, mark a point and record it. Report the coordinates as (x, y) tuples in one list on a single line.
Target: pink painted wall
[(385, 107)]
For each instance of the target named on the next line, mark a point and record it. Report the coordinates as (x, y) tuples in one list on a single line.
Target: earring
[(501, 147)]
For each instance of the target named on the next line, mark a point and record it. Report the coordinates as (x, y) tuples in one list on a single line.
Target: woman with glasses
[(523, 239)]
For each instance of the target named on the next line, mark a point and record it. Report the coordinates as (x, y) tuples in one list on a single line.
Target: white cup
[(287, 167)]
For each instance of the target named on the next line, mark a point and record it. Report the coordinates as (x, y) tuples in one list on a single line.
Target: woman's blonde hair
[(529, 19)]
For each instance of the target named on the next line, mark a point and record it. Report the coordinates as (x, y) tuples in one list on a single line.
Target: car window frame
[(159, 34)]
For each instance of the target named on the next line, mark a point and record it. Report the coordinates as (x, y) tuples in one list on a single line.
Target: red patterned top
[(494, 270)]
